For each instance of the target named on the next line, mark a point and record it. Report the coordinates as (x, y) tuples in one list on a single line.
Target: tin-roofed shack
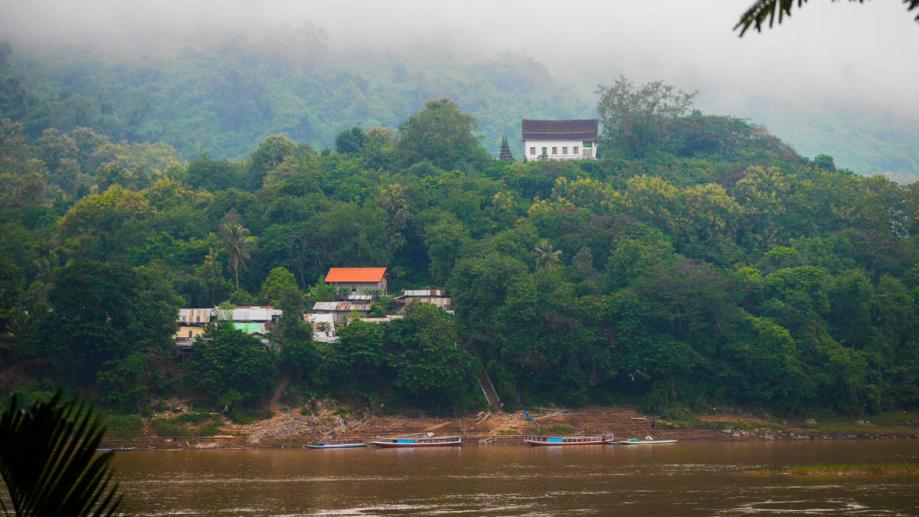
[(436, 297), (342, 312), (255, 313), (323, 327), (193, 322)]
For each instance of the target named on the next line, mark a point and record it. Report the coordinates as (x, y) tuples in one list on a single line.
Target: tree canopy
[(700, 261)]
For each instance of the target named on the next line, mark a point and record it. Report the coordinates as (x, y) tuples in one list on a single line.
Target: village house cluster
[(357, 290)]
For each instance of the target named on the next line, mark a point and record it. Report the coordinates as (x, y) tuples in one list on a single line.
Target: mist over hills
[(221, 100)]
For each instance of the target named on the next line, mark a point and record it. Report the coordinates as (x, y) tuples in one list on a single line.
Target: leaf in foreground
[(49, 463)]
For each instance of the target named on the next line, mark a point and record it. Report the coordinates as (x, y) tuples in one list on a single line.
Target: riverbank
[(188, 430)]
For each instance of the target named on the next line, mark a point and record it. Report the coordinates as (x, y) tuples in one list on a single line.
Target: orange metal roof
[(355, 274)]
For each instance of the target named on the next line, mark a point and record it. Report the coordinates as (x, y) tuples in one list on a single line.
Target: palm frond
[(770, 12), (48, 460)]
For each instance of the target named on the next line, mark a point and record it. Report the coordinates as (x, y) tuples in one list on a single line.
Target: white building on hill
[(560, 139)]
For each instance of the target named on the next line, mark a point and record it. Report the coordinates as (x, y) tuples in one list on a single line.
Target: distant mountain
[(224, 100), (859, 138)]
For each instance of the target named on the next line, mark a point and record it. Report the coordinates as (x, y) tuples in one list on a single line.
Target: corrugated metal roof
[(355, 274), (360, 297), (341, 306), (583, 129), (255, 313), (320, 318), (424, 292), (195, 316), (384, 319)]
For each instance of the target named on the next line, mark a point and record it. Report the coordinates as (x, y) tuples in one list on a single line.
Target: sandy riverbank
[(292, 429)]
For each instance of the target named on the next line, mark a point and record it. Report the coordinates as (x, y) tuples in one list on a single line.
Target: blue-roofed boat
[(418, 441), (563, 441)]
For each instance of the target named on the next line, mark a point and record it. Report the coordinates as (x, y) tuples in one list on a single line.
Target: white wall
[(560, 146)]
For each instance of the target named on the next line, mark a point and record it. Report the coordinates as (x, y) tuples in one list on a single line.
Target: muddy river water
[(689, 478)]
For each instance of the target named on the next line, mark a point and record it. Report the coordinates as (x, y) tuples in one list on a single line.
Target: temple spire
[(505, 150)]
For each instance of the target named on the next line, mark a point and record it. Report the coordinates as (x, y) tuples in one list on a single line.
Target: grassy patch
[(187, 425), (169, 428), (890, 422), (194, 418), (560, 429), (248, 416), (123, 426), (737, 424)]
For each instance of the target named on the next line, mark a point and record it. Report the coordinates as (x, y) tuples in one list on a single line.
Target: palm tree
[(47, 265), (763, 11), (238, 243), (210, 260), (546, 255), (48, 460)]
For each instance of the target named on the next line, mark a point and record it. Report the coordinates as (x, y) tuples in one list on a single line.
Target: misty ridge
[(218, 77)]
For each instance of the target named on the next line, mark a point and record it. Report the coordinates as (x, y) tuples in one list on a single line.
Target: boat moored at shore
[(562, 441), (336, 444), (635, 441), (404, 442)]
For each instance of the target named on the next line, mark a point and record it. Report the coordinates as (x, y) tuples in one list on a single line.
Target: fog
[(851, 53)]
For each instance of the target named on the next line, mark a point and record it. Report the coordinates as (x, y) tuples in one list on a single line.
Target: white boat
[(348, 444), (635, 441)]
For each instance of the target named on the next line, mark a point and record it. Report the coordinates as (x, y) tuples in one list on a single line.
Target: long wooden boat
[(336, 444), (421, 441), (563, 441), (636, 441)]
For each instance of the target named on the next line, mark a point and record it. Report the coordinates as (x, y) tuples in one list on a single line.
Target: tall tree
[(546, 255), (238, 245), (101, 312), (441, 134), (635, 118)]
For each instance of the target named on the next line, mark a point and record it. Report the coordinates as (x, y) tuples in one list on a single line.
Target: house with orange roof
[(358, 279)]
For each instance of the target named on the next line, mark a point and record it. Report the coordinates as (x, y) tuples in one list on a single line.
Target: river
[(689, 478)]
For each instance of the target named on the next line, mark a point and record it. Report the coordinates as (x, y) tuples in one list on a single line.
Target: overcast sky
[(855, 53)]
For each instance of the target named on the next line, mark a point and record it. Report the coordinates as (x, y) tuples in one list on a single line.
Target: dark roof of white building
[(586, 129)]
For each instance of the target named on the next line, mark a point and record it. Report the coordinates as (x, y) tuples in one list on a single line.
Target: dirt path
[(283, 383)]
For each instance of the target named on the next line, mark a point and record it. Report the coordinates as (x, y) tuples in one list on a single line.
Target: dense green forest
[(223, 99), (700, 262)]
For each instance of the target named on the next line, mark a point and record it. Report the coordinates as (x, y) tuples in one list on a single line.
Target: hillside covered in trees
[(222, 99), (699, 262)]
